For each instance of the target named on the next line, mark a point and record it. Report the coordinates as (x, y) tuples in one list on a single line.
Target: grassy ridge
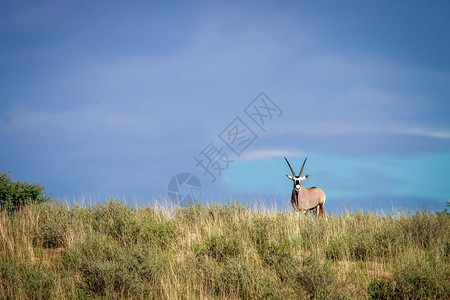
[(111, 251)]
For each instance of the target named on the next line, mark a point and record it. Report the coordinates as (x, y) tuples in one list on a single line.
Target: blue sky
[(107, 98)]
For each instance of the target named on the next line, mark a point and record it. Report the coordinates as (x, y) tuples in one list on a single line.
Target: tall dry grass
[(114, 251)]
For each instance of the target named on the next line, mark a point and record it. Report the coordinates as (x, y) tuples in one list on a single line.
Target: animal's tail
[(321, 206)]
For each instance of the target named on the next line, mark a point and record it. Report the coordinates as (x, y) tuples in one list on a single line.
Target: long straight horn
[(292, 170), (301, 171)]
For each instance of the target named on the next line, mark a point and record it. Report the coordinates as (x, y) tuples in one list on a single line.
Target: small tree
[(15, 194), (444, 212)]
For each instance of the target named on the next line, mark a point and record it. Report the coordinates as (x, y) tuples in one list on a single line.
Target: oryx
[(305, 199)]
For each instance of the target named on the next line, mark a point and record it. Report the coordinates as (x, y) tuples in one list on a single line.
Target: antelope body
[(305, 199)]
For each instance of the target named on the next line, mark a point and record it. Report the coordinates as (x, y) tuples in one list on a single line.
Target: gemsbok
[(305, 199)]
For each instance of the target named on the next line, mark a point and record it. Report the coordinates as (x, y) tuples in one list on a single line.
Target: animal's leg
[(321, 209)]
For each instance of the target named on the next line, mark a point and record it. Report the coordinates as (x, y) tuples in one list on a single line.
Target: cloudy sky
[(112, 98)]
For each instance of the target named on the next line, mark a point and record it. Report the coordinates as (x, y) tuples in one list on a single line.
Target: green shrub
[(427, 279), (54, 226), (354, 246), (316, 278), (190, 215), (234, 279), (109, 269), (15, 194), (53, 235), (225, 213), (162, 234), (22, 279), (423, 227), (247, 282), (336, 248), (360, 246), (388, 240), (115, 219), (274, 252), (219, 248), (381, 289), (265, 229)]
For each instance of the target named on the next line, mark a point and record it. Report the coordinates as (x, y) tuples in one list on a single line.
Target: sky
[(104, 99)]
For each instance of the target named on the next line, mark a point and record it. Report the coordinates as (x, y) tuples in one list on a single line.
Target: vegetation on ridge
[(111, 250)]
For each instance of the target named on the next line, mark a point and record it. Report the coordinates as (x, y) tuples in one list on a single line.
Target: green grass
[(110, 251)]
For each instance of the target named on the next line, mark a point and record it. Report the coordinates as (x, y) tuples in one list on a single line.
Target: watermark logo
[(184, 189), (238, 136), (240, 133), (213, 161), (262, 109)]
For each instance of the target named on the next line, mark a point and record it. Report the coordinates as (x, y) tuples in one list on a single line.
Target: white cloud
[(363, 109), (268, 154), (83, 120), (445, 135)]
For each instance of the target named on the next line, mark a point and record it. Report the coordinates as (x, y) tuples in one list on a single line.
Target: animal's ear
[(289, 176), (307, 176)]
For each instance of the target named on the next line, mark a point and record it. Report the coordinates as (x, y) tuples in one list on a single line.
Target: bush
[(21, 279), (317, 278), (15, 194), (161, 234), (219, 248), (427, 279), (336, 248), (107, 268), (381, 289), (60, 225)]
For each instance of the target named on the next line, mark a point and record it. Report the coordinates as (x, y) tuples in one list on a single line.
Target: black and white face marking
[(297, 181)]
